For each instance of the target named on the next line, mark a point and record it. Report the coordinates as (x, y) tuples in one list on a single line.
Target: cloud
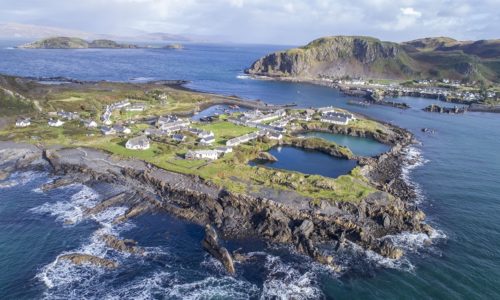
[(264, 21)]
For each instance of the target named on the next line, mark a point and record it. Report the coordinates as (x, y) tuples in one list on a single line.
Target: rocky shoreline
[(329, 225)]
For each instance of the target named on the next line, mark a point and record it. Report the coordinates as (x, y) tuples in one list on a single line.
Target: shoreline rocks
[(279, 220)]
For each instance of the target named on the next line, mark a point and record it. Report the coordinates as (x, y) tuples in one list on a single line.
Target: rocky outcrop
[(81, 259), (211, 244), (127, 245), (266, 156), (445, 110), (320, 145)]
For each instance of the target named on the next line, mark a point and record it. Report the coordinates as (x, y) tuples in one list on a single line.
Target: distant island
[(174, 47), (76, 43), (367, 57)]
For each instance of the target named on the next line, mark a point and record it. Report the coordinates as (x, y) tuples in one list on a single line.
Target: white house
[(224, 150), (108, 130), (332, 119), (90, 123), (122, 129), (136, 107), (208, 140), (55, 123), (274, 135), (202, 154), (138, 143), (23, 122), (206, 134), (179, 137)]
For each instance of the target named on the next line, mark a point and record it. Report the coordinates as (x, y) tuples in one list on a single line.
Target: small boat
[(234, 106)]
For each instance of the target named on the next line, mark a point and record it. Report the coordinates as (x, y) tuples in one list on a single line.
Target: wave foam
[(70, 212), (413, 160), (286, 282)]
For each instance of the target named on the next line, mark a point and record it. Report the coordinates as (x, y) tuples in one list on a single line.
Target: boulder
[(129, 246), (211, 244), (81, 258)]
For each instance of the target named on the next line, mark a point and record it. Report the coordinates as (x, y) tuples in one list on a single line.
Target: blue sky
[(266, 21)]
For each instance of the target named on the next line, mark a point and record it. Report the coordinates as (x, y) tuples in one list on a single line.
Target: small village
[(200, 143)]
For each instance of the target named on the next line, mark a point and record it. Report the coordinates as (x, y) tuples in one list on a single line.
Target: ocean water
[(457, 179)]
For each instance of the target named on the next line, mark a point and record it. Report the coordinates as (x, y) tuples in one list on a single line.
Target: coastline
[(284, 220), (471, 107)]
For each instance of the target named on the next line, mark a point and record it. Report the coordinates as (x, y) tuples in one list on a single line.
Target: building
[(166, 120), (90, 124), (273, 135), (138, 143), (55, 123), (179, 137), (333, 119), (206, 134), (23, 122), (68, 115), (244, 138), (136, 107), (224, 150), (108, 130), (122, 129), (202, 154), (174, 125), (325, 110), (208, 140), (154, 132)]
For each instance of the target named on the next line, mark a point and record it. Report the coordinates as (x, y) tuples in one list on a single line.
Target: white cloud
[(276, 21)]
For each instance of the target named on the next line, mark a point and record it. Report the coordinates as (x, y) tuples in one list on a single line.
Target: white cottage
[(23, 122), (138, 143), (55, 123), (202, 154)]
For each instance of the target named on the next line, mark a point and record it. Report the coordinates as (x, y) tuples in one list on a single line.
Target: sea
[(456, 177)]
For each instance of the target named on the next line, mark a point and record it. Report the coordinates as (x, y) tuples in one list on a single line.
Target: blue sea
[(457, 179)]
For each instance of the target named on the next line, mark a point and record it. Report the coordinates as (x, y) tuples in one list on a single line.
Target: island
[(75, 43), (462, 72), (145, 137)]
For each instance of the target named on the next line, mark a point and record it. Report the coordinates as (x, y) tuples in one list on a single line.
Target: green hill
[(367, 57), (74, 43)]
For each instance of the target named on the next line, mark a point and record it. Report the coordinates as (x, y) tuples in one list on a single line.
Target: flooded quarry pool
[(307, 161), (358, 145)]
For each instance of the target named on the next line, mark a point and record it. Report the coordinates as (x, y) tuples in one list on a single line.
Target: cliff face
[(338, 56), (367, 57), (74, 43)]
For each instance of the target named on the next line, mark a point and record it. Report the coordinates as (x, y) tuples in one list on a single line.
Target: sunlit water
[(458, 182)]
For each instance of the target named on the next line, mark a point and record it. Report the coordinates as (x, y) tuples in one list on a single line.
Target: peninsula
[(142, 136)]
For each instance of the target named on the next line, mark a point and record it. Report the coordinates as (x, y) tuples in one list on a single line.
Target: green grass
[(224, 130)]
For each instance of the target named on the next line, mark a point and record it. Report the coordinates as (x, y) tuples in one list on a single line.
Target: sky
[(291, 22)]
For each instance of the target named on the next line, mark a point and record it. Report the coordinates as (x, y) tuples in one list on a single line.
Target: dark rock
[(81, 258), (211, 244)]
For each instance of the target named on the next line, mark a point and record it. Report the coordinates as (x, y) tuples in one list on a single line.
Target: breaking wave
[(21, 178), (413, 160), (70, 212), (286, 282)]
